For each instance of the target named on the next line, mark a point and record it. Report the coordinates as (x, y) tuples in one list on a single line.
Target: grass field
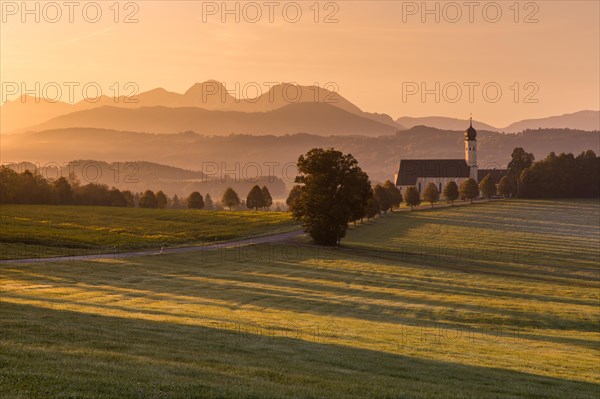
[(493, 300), (32, 231)]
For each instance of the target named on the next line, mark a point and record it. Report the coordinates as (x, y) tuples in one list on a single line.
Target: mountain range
[(582, 120), (209, 108)]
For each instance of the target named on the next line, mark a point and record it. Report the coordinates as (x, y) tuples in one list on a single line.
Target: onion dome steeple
[(471, 133)]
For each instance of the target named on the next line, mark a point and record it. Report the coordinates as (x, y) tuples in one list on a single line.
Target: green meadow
[(491, 300), (32, 231)]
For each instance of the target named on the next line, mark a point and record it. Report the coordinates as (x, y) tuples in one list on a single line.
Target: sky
[(501, 61)]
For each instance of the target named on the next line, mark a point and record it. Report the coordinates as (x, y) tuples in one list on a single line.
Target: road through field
[(281, 237)]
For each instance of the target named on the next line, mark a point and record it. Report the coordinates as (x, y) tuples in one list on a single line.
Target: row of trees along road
[(468, 190)]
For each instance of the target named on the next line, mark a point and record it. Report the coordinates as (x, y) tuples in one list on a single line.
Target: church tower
[(471, 150)]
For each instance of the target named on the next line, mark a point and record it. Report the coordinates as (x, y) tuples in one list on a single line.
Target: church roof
[(411, 169)]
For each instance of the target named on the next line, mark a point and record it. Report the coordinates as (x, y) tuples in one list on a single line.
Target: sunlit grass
[(32, 231), (490, 300)]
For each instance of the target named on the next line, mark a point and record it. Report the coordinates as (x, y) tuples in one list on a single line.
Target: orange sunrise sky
[(370, 53)]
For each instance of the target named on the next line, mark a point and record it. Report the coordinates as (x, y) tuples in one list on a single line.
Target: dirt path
[(281, 237)]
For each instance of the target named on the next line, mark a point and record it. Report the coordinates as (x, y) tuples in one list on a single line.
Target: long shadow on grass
[(51, 353), (550, 258), (241, 288)]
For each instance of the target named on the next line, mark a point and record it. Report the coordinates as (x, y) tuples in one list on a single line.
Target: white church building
[(420, 172)]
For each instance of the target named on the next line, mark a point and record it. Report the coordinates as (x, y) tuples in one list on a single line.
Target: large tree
[(451, 191), (431, 194), (487, 186), (469, 189), (333, 188), (520, 160), (195, 201), (395, 194), (230, 198), (412, 197)]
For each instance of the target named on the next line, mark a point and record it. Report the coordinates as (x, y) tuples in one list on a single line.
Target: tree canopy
[(520, 160), (383, 198), (562, 176), (195, 201), (395, 194), (487, 186), (230, 198), (431, 194), (267, 197), (505, 187), (469, 189), (451, 191), (412, 197), (334, 189), (148, 200), (161, 200), (255, 198)]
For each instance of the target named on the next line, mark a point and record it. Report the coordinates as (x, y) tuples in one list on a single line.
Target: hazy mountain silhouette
[(316, 118), (284, 94), (378, 156), (26, 112), (444, 123), (582, 120)]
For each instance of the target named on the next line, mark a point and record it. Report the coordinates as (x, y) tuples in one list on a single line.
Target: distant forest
[(378, 156), (555, 176), (561, 176), (141, 176), (29, 187)]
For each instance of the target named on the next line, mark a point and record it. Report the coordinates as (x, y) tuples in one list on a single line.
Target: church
[(420, 172)]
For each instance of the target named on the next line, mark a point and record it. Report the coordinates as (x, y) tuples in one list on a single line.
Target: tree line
[(32, 188), (556, 176)]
